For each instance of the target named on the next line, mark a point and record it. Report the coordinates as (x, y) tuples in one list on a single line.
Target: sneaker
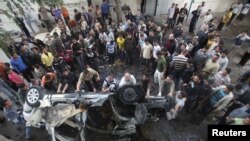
[(169, 116), (159, 94), (173, 113)]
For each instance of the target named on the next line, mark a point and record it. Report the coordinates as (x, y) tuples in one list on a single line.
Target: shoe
[(173, 113), (169, 117), (159, 94)]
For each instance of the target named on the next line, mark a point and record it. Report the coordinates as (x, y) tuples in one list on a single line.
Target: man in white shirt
[(156, 48), (146, 52), (127, 79), (203, 19), (170, 13), (223, 60)]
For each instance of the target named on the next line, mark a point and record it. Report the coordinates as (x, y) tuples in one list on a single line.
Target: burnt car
[(113, 114)]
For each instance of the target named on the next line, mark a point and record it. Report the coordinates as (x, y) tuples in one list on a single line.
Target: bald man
[(127, 79)]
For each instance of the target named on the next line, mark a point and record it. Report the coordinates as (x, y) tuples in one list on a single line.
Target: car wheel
[(130, 95), (33, 96)]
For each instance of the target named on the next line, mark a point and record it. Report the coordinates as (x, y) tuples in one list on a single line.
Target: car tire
[(130, 94), (33, 96)]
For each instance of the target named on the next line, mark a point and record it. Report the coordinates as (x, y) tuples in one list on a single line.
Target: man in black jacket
[(194, 91)]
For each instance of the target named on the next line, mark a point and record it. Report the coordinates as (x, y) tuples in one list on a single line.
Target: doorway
[(143, 3)]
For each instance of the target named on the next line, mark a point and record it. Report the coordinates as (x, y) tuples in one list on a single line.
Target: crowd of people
[(191, 69)]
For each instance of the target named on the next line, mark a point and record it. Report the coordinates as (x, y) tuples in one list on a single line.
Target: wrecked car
[(115, 114)]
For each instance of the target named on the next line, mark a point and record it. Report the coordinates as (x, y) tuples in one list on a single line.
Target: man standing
[(225, 19), (204, 19), (19, 65), (170, 14), (183, 13), (196, 14), (105, 10), (160, 69), (130, 46), (146, 53), (21, 24), (111, 50), (179, 62), (47, 59), (236, 11), (211, 66), (45, 18), (222, 78), (65, 14)]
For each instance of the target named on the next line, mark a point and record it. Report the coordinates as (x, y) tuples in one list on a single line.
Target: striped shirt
[(179, 62)]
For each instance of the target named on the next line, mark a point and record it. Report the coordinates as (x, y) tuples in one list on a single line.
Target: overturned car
[(115, 114)]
